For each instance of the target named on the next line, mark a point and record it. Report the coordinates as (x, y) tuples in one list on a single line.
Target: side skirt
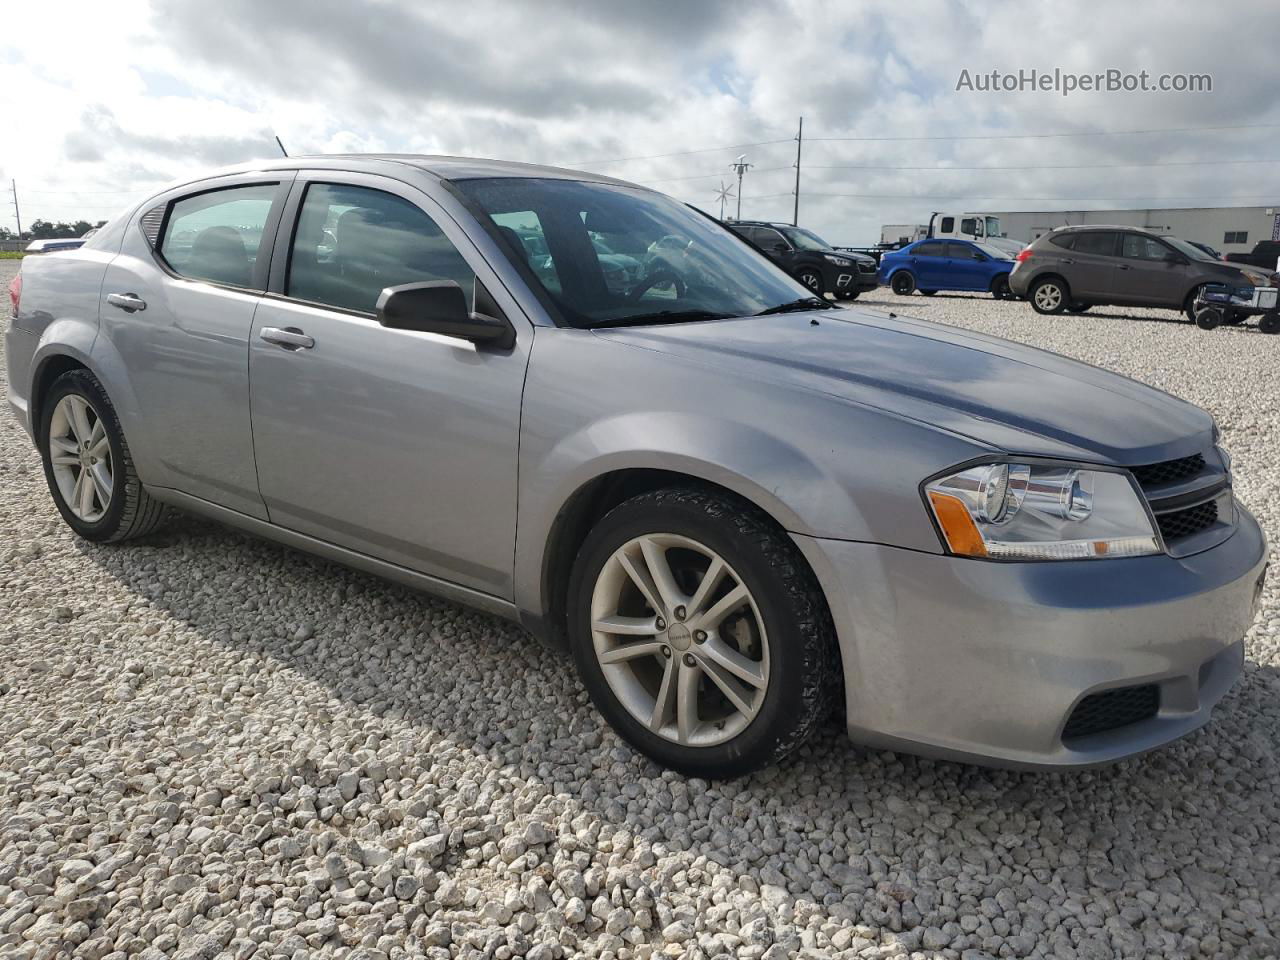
[(359, 561)]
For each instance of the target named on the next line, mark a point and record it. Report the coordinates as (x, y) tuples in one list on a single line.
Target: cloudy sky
[(104, 102)]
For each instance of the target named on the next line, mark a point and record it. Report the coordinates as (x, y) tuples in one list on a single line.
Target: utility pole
[(740, 166), (17, 215), (795, 214)]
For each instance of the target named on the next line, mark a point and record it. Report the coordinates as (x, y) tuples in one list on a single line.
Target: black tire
[(1209, 318), (1000, 288), (1078, 307), (849, 294), (928, 293), (800, 636), (131, 512), (1233, 318), (902, 283), (1049, 296), (811, 278), (1270, 322)]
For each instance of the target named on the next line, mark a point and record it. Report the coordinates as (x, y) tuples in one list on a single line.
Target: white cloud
[(103, 102)]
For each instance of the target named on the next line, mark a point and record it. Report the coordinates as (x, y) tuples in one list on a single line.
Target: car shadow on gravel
[(1198, 817)]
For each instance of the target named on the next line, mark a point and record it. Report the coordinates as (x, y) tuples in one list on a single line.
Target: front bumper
[(851, 278), (984, 662)]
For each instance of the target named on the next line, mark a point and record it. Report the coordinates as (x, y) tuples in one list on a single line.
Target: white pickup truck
[(961, 226)]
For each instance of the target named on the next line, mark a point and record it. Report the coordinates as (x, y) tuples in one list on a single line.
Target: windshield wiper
[(804, 303), (660, 316)]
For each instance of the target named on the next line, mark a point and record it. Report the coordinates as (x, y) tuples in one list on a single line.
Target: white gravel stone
[(220, 748)]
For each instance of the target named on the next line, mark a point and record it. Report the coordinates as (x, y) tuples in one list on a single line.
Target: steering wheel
[(651, 279)]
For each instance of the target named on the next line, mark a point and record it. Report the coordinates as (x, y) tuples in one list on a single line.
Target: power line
[(682, 153), (982, 196), (1045, 136), (1062, 166), (710, 176)]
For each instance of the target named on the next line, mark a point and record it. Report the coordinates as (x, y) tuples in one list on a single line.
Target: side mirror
[(1176, 258), (440, 306), (980, 257)]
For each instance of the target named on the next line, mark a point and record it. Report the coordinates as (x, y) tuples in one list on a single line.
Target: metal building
[(1229, 229)]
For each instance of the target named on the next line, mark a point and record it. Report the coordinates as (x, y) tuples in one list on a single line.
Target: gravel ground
[(211, 746)]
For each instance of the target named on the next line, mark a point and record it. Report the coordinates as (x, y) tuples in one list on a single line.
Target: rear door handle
[(1123, 266), (129, 302), (291, 338)]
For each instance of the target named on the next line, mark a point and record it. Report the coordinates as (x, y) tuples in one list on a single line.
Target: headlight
[(838, 261), (1019, 511)]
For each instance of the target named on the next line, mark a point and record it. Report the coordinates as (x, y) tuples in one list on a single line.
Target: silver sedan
[(576, 403)]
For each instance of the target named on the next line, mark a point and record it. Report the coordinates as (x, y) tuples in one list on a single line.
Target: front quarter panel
[(594, 405)]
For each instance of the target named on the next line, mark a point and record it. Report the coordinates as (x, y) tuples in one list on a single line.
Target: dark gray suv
[(1074, 268)]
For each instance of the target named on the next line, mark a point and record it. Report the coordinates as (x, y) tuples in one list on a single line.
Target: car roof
[(1077, 227), (439, 166)]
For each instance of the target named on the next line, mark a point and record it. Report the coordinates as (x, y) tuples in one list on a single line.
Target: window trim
[(291, 213), (281, 180)]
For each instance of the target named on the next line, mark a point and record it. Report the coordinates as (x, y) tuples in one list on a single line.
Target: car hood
[(1005, 395)]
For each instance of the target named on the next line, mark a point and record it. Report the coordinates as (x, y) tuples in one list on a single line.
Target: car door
[(398, 444), (966, 267), (177, 311), (928, 264), (776, 246), (1148, 272), (1089, 265)]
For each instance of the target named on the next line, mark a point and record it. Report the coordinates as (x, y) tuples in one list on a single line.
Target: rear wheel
[(811, 278), (87, 463), (700, 633), (902, 283), (1048, 296)]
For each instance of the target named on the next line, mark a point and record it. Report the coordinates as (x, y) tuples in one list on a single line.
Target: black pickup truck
[(1264, 254)]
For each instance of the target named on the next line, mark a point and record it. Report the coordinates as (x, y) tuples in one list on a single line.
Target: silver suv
[(579, 404)]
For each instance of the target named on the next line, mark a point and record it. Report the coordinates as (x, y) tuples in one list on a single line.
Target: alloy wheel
[(1048, 296), (680, 639), (80, 455)]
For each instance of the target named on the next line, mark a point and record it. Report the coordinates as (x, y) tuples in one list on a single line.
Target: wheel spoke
[(655, 557), (687, 702), (730, 602), (724, 656), (101, 485), (79, 419), (65, 445), (730, 687), (664, 703), (626, 626), (630, 651), (86, 494), (640, 577), (64, 459), (710, 580)]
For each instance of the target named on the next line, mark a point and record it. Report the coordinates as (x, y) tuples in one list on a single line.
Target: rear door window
[(216, 236), (352, 242), (931, 249), (1101, 243), (767, 238)]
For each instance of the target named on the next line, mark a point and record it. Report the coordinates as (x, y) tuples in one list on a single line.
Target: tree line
[(48, 230)]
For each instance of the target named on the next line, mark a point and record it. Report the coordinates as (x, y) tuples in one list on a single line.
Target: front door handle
[(291, 338), (129, 302), (1124, 266), (1068, 261)]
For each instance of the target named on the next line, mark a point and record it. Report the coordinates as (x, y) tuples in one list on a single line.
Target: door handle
[(129, 302), (1068, 261), (291, 338), (1123, 266)]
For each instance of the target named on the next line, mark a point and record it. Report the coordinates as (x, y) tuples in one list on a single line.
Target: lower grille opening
[(1184, 523), (1112, 709)]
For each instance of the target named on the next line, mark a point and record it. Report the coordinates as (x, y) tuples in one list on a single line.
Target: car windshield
[(805, 239), (1189, 249), (609, 254), (993, 227)]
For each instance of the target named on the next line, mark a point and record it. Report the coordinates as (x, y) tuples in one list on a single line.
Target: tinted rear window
[(1103, 244), (1066, 240)]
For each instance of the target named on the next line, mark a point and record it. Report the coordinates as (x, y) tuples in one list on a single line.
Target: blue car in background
[(933, 265)]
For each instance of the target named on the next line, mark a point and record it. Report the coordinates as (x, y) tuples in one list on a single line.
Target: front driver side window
[(352, 242)]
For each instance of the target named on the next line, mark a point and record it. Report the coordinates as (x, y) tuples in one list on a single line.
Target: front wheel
[(811, 278), (1048, 296), (87, 463), (1000, 288), (902, 283), (1078, 308), (700, 633), (849, 294), (1209, 318), (1189, 305)]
